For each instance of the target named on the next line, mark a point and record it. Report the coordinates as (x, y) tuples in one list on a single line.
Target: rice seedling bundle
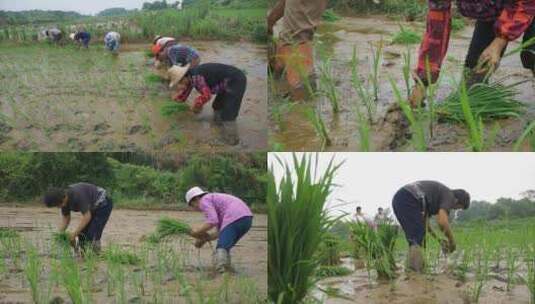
[(487, 101), (120, 256), (172, 108), (297, 224), (62, 239), (168, 227)]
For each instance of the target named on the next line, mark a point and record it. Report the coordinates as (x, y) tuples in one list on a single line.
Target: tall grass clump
[(378, 244), (297, 224), (406, 36)]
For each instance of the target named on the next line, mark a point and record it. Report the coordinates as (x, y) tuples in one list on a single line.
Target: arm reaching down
[(274, 15), (65, 221), (443, 223), (86, 218)]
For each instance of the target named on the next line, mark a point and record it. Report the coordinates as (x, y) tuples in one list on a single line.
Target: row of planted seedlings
[(474, 106), (156, 272)]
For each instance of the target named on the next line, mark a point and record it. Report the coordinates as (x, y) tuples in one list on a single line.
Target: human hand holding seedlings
[(442, 220), (417, 96), (490, 58), (86, 218)]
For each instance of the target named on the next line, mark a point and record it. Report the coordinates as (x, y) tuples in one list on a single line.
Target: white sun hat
[(176, 73), (193, 193), (71, 36)]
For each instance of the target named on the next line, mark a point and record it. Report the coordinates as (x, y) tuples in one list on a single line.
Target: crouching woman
[(228, 214)]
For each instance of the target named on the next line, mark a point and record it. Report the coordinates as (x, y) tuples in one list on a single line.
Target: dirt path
[(439, 288), (125, 228), (62, 99), (338, 39)]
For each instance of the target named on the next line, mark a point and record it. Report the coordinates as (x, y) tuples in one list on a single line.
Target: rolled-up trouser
[(229, 101), (99, 217), (408, 211), (297, 61), (232, 233), (484, 34)]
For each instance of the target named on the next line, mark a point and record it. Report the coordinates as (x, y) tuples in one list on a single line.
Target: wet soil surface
[(65, 99), (441, 287), (291, 130), (126, 228)]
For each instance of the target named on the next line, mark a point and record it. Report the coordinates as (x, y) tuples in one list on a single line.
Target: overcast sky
[(371, 179), (84, 7)]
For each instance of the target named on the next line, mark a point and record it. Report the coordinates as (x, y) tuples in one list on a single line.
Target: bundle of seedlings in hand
[(297, 224), (378, 244), (172, 108), (168, 227), (62, 239), (487, 101)]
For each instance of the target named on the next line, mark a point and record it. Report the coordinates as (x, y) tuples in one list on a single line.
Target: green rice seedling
[(474, 123), (482, 268), (33, 269), (114, 254), (406, 36), (297, 223), (171, 108), (530, 280), (71, 279), (319, 127), (152, 78), (512, 266), (61, 239), (8, 233), (365, 97), (529, 132), (376, 63), (431, 89), (488, 101), (329, 250), (332, 271), (462, 268), (328, 85), (415, 119), (457, 23), (378, 246), (330, 16), (406, 70)]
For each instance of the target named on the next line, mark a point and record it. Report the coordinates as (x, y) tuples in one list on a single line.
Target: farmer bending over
[(53, 35), (90, 200), (414, 203), (160, 45), (111, 42), (294, 48), (497, 23), (227, 82), (81, 38), (228, 214), (180, 55)]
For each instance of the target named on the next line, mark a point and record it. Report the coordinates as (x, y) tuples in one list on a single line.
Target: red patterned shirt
[(512, 18)]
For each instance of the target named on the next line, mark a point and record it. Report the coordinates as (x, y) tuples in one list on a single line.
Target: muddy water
[(435, 288), (337, 40), (126, 228), (67, 100)]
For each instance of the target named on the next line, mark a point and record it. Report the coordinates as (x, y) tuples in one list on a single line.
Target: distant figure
[(81, 38), (111, 41), (363, 218), (380, 217), (53, 35)]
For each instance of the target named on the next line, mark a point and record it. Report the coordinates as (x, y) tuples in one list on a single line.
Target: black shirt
[(83, 197), (436, 195)]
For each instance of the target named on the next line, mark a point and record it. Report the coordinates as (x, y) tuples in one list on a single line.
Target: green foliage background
[(149, 180)]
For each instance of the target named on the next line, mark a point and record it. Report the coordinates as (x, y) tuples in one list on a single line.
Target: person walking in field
[(227, 82), (112, 41), (415, 203), (497, 23), (227, 214), (294, 48), (92, 202), (81, 38)]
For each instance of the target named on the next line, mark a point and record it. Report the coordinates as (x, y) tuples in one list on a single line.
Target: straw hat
[(72, 36), (193, 193), (156, 39), (176, 73)]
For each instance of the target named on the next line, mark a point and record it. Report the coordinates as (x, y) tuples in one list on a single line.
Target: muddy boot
[(229, 132), (222, 260), (416, 259)]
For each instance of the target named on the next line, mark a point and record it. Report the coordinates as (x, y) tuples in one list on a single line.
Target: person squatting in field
[(227, 82), (53, 35), (497, 23), (294, 48), (415, 203), (228, 214), (81, 38), (112, 41), (92, 202)]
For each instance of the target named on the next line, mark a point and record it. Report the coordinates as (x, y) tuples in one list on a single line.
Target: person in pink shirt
[(229, 215)]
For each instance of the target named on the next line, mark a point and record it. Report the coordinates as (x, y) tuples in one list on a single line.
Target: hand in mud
[(72, 239), (417, 96), (490, 58), (196, 109)]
